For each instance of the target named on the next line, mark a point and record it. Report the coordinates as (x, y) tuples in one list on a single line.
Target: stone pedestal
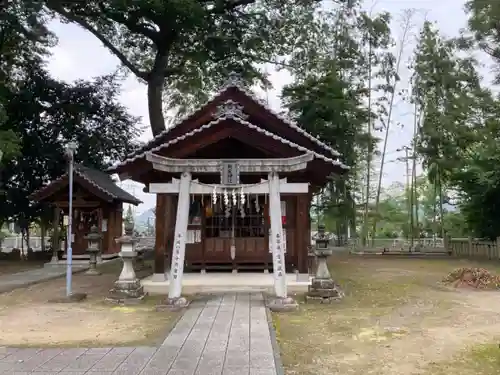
[(93, 249), (127, 289), (92, 262), (282, 304), (173, 304), (323, 289)]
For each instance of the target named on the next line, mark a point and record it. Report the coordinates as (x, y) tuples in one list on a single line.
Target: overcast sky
[(79, 55)]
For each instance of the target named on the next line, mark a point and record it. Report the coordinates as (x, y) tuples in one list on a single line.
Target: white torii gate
[(185, 186)]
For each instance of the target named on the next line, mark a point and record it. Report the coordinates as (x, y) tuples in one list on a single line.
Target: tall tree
[(444, 88), (46, 114), (346, 49), (23, 42), (484, 23), (406, 28), (184, 49)]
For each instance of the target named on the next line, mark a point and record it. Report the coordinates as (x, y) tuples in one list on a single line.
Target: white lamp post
[(70, 150)]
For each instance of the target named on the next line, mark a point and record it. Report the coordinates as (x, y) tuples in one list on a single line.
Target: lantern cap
[(129, 228), (128, 237)]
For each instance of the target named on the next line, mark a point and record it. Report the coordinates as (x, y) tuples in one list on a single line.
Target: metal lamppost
[(70, 150)]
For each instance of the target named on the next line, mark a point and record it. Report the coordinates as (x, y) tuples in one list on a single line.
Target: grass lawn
[(28, 319), (396, 318)]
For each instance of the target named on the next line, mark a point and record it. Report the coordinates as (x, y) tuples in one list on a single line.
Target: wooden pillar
[(160, 234), (302, 234), (100, 214), (169, 233), (117, 228), (56, 238), (111, 233)]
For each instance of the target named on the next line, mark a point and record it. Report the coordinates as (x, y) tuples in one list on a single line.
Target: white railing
[(16, 242)]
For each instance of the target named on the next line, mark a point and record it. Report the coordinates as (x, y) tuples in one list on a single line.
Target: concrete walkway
[(26, 278), (221, 335)]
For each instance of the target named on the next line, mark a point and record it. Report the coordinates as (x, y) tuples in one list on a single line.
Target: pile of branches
[(479, 278)]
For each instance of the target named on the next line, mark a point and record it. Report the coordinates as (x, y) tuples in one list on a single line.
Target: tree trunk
[(43, 230), (369, 152), (406, 29), (441, 210), (434, 209), (155, 103)]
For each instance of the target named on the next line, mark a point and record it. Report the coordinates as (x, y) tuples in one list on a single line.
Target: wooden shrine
[(97, 200), (233, 181)]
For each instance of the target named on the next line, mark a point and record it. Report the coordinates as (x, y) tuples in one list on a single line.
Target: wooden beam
[(173, 165), (199, 188), (89, 204)]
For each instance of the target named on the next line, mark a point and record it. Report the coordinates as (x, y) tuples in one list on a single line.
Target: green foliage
[(129, 216), (484, 21), (458, 134), (183, 49), (23, 42), (346, 49), (47, 114)]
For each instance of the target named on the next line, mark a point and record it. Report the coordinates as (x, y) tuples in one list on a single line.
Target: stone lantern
[(127, 289), (323, 288), (93, 249)]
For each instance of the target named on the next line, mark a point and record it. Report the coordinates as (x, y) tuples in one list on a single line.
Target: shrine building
[(233, 180), (97, 201)]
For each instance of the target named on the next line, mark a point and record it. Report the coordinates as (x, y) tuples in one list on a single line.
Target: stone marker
[(323, 289), (127, 289), (93, 248)]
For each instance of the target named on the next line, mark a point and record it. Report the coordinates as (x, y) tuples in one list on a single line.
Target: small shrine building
[(97, 200), (233, 180)]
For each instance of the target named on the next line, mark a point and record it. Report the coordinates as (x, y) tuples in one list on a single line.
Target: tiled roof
[(100, 180), (244, 123), (234, 81)]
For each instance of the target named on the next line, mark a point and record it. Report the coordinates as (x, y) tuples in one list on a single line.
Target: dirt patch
[(10, 267), (27, 319), (392, 321)]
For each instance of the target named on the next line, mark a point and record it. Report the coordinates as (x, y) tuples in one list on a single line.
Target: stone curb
[(280, 370), (10, 288)]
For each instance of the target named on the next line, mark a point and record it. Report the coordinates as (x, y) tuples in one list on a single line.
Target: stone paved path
[(222, 335), (29, 277)]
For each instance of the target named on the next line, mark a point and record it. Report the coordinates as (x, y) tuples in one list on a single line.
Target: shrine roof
[(242, 121), (97, 182), (234, 83)]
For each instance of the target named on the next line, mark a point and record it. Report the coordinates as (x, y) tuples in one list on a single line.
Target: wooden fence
[(457, 247), (474, 248)]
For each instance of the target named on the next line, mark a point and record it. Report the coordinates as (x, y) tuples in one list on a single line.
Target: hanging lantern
[(257, 207)]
